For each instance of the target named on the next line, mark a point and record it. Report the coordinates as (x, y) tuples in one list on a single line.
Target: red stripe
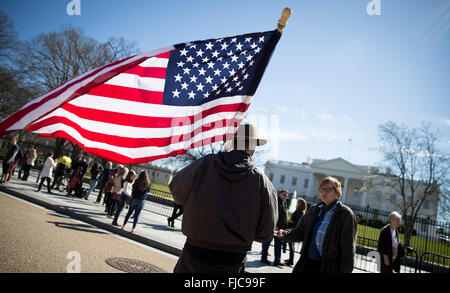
[(127, 93), (9, 121), (147, 121), (121, 159), (155, 72), (129, 142)]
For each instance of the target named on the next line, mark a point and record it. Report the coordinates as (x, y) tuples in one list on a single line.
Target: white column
[(364, 195), (344, 193), (311, 184)]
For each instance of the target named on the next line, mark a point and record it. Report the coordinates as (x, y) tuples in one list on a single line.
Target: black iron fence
[(426, 252)]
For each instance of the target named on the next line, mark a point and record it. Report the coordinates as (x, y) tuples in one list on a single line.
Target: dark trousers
[(177, 211), (277, 249), (26, 172), (42, 182), (199, 260), (99, 196)]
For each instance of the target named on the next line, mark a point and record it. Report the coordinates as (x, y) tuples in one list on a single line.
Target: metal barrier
[(434, 263)]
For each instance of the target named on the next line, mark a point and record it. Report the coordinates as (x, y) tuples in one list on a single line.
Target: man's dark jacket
[(339, 244), (228, 203), (282, 214)]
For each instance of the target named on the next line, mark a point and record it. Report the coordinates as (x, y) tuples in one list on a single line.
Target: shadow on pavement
[(77, 227)]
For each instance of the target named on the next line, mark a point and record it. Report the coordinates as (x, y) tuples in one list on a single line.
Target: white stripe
[(57, 101), (135, 153), (140, 132), (153, 110), (155, 62), (137, 82)]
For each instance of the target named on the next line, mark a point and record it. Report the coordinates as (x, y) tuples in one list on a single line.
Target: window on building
[(355, 193), (393, 197), (294, 181), (377, 195), (305, 183), (282, 179), (426, 204), (271, 176)]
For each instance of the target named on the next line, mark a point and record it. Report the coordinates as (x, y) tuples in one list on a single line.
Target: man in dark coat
[(281, 224), (228, 204)]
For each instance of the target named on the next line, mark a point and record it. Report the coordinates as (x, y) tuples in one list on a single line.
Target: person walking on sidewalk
[(125, 197), (140, 189), (299, 212), (46, 172), (31, 158), (103, 180), (109, 187), (281, 224), (177, 211), (119, 180), (228, 204), (95, 172), (9, 158)]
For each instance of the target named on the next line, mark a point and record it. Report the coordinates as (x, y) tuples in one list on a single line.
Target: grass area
[(418, 243)]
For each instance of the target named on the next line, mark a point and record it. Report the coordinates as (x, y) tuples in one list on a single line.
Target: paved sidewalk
[(152, 228)]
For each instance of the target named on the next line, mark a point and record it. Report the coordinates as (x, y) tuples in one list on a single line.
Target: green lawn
[(418, 243)]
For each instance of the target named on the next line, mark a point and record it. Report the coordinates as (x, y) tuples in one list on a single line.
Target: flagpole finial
[(283, 20)]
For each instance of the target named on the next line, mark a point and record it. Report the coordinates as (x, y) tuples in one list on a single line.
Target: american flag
[(156, 104)]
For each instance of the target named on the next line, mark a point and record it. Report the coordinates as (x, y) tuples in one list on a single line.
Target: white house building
[(357, 190)]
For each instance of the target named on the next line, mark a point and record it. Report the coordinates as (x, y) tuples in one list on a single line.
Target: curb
[(65, 211)]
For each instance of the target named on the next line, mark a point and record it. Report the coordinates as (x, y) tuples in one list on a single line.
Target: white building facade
[(304, 179)]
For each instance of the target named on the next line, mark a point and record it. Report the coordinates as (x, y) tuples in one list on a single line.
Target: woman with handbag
[(119, 180), (125, 197), (140, 189)]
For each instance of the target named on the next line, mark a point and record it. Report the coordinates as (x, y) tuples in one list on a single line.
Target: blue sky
[(337, 72)]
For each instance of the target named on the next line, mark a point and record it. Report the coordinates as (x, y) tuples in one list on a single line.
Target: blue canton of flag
[(203, 71)]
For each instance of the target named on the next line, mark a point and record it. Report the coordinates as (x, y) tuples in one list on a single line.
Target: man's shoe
[(277, 264), (114, 223), (265, 261), (289, 262)]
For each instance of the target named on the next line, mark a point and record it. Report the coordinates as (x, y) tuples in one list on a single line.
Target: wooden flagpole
[(282, 22)]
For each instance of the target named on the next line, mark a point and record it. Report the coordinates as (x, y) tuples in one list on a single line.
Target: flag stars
[(247, 40), (183, 52), (239, 46), (176, 93), (217, 72), (226, 65), (209, 79), (261, 39), (200, 53), (200, 87), (191, 95), (194, 79), (180, 64), (253, 46), (215, 54), (201, 71), (232, 72), (189, 59), (184, 86), (206, 95), (178, 77), (224, 46), (209, 46), (186, 70)]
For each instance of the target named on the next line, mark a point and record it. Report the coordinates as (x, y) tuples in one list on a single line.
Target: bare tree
[(417, 169), (51, 59)]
